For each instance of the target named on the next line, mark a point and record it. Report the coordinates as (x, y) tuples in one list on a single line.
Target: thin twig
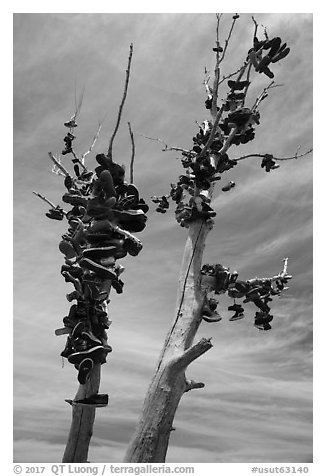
[(250, 65), (230, 75), (58, 164), (217, 69), (256, 25), (264, 94), (228, 38), (166, 146), (56, 171), (92, 144), (132, 154), (247, 87), (42, 197), (295, 156), (122, 102)]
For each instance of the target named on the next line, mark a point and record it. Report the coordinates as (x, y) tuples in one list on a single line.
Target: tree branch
[(132, 154), (167, 147), (282, 274), (231, 74), (229, 36), (45, 199), (191, 384), (122, 102), (92, 144), (58, 164), (296, 156), (256, 25), (193, 352), (217, 68), (263, 94)]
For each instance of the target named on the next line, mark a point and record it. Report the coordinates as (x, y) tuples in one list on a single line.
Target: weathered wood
[(82, 421), (151, 438)]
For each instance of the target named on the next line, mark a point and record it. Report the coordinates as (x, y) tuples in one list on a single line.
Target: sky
[(257, 402)]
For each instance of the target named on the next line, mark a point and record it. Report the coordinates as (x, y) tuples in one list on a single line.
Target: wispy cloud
[(258, 385)]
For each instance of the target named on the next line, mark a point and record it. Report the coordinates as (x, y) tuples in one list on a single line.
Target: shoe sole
[(213, 319), (236, 318), (98, 269), (95, 353), (101, 252)]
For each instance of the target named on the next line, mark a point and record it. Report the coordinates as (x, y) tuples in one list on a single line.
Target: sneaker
[(55, 214), (237, 316), (74, 271), (67, 249), (107, 184), (77, 330), (133, 247), (236, 308), (262, 318), (134, 225), (263, 327), (74, 199), (97, 400), (141, 205), (252, 295), (126, 203), (84, 369), (238, 85), (268, 72), (263, 63), (274, 46), (68, 350), (70, 124), (280, 55), (214, 317), (117, 286)]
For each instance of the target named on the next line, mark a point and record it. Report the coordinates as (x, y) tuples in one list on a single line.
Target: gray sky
[(258, 384)]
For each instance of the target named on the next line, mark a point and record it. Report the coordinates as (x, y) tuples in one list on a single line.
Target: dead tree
[(232, 123), (106, 211)]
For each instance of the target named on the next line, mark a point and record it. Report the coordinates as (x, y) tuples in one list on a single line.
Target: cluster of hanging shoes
[(206, 161), (217, 279), (105, 213), (276, 52)]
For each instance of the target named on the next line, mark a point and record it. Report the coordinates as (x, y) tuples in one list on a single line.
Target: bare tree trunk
[(151, 438), (82, 421)]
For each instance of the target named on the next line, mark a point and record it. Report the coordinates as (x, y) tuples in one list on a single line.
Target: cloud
[(258, 385)]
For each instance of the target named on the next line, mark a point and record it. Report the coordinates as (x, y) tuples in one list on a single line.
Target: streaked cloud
[(258, 385)]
